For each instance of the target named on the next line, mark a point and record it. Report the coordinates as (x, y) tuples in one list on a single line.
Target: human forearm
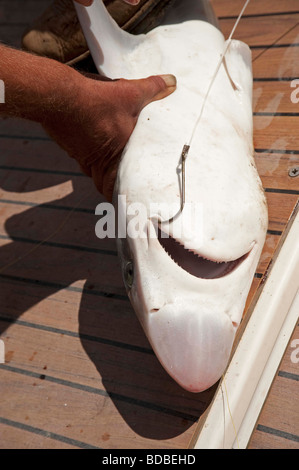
[(91, 120), (36, 88)]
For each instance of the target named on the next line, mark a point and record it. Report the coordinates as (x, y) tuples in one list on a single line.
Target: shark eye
[(129, 274)]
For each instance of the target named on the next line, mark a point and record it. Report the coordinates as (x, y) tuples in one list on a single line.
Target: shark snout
[(192, 342)]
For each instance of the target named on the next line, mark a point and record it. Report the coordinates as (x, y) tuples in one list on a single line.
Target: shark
[(187, 287)]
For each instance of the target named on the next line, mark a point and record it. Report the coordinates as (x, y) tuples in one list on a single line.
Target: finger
[(132, 2), (155, 88)]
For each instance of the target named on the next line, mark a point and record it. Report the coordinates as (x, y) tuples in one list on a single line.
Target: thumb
[(153, 88)]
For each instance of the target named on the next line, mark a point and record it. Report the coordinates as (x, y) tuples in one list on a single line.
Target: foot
[(57, 33)]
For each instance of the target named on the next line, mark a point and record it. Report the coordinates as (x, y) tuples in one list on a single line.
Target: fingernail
[(132, 2), (170, 80)]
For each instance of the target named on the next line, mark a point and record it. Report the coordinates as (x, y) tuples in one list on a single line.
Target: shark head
[(187, 272), (188, 306), (189, 293)]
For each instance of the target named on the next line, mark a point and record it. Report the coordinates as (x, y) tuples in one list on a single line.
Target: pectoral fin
[(108, 43)]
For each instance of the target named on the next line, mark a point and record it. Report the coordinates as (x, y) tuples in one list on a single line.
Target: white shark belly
[(191, 313)]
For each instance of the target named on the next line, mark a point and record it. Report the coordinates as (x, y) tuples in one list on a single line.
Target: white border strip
[(239, 399), (266, 379)]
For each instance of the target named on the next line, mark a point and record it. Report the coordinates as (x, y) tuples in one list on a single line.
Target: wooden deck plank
[(268, 439), (125, 372), (41, 193), (290, 361), (278, 63), (60, 266), (74, 313), (58, 365), (109, 320), (226, 8), (38, 155), (268, 252), (95, 257), (15, 127), (63, 411), (277, 133), (286, 198), (30, 224), (16, 433), (274, 97), (253, 290), (280, 206), (53, 308), (274, 170), (285, 391), (267, 22), (267, 30), (278, 427)]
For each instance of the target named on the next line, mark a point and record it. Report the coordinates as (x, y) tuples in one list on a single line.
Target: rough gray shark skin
[(188, 292)]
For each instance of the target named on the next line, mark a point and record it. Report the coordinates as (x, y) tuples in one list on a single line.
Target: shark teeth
[(194, 263)]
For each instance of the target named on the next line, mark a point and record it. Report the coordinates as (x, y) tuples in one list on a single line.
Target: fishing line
[(230, 413), (186, 147), (223, 411), (228, 43)]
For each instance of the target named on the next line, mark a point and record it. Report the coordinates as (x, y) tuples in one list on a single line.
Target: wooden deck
[(271, 28), (78, 371)]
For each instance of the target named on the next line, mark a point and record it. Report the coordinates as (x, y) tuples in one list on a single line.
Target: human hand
[(98, 120), (87, 3), (91, 118)]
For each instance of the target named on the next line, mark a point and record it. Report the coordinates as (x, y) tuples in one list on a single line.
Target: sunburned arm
[(35, 88), (91, 119)]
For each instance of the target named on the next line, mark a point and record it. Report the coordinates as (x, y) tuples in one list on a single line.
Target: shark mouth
[(192, 262)]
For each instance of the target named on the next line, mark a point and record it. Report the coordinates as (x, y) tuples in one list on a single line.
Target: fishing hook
[(186, 147), (184, 155)]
